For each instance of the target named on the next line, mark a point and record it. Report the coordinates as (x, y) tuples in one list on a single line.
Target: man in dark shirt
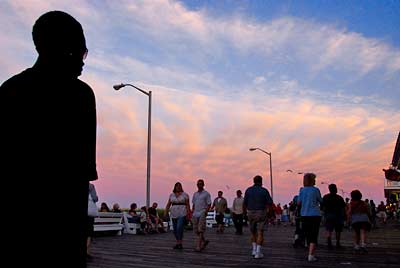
[(48, 148), (257, 201), (155, 219), (334, 209)]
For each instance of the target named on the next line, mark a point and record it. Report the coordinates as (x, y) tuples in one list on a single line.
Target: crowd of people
[(307, 211)]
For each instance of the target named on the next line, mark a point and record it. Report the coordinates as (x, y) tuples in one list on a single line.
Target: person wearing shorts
[(257, 201), (220, 204), (359, 216), (334, 209), (201, 205)]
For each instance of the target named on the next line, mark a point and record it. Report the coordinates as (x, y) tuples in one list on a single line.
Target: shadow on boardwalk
[(230, 250)]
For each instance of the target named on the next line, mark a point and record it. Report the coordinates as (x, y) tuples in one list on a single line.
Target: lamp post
[(118, 87), (270, 167)]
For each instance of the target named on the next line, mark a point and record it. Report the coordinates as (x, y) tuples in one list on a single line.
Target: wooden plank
[(230, 250)]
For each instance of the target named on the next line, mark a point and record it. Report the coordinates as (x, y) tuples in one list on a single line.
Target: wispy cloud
[(222, 85)]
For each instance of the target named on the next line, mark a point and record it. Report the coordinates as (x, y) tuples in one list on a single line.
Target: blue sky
[(377, 19), (317, 83)]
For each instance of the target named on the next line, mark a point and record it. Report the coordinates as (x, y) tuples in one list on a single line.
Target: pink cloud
[(197, 136)]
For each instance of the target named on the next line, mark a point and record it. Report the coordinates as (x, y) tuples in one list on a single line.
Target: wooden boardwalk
[(230, 250)]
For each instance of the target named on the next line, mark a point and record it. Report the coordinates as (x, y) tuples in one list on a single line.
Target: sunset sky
[(317, 83)]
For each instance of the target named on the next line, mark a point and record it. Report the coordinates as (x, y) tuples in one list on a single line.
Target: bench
[(211, 222), (130, 228), (109, 221), (210, 219)]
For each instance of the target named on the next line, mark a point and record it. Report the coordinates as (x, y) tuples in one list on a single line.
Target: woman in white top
[(179, 208)]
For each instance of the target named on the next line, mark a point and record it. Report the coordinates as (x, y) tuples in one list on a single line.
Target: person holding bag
[(92, 213)]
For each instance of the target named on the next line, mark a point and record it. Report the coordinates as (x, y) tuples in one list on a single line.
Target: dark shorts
[(219, 218), (334, 222), (311, 228)]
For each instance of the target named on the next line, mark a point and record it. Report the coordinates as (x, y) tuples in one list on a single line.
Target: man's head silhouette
[(60, 42)]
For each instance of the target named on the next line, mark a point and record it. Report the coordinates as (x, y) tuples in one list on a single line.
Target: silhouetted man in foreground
[(48, 149)]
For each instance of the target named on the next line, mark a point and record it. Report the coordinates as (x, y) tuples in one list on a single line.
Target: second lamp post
[(270, 167), (118, 87)]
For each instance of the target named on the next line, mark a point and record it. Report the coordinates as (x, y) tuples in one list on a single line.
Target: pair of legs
[(333, 222), (178, 224), (257, 220), (360, 237), (220, 223), (199, 227), (238, 222), (329, 238), (360, 234), (90, 233), (311, 230), (257, 237), (156, 222)]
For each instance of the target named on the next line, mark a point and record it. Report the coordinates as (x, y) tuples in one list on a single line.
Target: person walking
[(237, 212), (309, 199), (92, 213), (334, 210), (48, 145), (382, 212), (359, 217), (178, 206), (220, 205), (373, 213), (201, 205), (256, 203)]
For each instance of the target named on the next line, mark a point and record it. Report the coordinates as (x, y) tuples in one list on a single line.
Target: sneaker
[(363, 249), (258, 255), (253, 253), (311, 258)]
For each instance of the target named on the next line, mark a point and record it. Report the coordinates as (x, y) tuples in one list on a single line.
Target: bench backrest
[(109, 221), (210, 219)]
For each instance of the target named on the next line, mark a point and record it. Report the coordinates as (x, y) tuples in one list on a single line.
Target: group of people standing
[(255, 204), (310, 203)]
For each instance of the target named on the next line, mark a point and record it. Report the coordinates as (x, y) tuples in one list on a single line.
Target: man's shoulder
[(83, 84), (250, 188), (18, 79), (84, 87), (326, 196)]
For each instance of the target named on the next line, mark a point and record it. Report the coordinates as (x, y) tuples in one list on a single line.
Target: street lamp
[(118, 87), (270, 166)]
